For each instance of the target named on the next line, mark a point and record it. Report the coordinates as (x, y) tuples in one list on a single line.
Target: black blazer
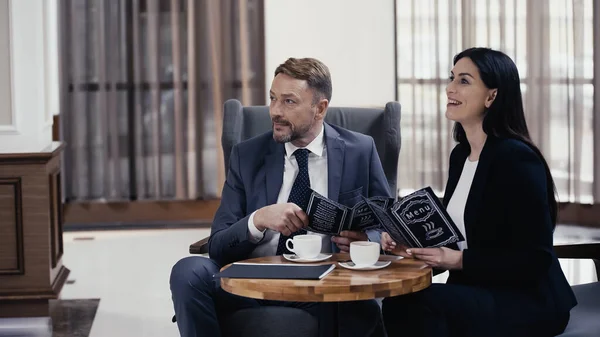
[(508, 224)]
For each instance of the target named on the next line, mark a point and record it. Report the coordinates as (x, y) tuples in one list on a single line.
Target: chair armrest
[(200, 247), (580, 251)]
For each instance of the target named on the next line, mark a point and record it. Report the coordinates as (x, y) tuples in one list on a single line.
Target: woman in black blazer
[(505, 280)]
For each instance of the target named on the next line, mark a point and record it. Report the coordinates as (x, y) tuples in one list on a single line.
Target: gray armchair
[(241, 123), (584, 320)]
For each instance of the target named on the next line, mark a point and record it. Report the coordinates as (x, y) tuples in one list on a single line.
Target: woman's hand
[(444, 258), (388, 245)]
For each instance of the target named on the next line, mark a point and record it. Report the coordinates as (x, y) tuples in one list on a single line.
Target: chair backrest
[(241, 123)]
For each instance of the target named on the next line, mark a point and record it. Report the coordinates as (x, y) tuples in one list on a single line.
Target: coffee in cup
[(364, 253), (305, 246)]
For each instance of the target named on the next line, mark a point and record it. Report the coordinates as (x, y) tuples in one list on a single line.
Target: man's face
[(292, 111)]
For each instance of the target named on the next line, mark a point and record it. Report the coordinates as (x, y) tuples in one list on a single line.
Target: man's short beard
[(294, 134), (283, 139)]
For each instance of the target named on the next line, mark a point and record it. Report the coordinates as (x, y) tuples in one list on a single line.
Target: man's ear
[(322, 106), (491, 97)]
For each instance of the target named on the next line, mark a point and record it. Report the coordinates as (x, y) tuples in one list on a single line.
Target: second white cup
[(305, 246), (364, 253)]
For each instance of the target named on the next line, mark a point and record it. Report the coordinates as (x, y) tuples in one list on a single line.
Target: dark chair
[(241, 123), (585, 316)]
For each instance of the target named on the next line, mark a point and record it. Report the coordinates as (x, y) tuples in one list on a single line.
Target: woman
[(505, 279)]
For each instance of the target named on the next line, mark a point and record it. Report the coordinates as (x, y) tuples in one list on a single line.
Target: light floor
[(129, 272)]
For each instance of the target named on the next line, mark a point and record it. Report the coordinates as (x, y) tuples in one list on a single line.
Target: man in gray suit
[(260, 207)]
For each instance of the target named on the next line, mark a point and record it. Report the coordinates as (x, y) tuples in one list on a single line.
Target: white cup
[(306, 246), (364, 253)]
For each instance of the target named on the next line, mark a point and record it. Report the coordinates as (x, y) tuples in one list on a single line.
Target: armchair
[(241, 123), (584, 317)]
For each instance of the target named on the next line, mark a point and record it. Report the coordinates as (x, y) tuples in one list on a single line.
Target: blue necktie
[(297, 194)]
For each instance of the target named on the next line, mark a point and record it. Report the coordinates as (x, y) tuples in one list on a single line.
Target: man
[(259, 206)]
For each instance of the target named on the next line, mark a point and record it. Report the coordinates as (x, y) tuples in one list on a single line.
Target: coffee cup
[(364, 253), (305, 246)]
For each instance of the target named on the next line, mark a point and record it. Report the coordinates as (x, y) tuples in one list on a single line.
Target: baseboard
[(139, 214), (75, 227), (585, 215)]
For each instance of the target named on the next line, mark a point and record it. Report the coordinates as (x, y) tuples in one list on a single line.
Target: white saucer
[(377, 265), (294, 258)]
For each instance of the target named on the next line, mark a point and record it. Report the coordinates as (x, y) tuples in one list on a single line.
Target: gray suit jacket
[(255, 176)]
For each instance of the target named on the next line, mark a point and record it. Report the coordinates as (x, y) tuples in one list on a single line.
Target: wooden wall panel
[(11, 227), (56, 217), (36, 226)]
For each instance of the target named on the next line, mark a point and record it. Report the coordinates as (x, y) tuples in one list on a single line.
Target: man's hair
[(313, 71)]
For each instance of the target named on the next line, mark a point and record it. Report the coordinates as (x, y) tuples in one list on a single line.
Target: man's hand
[(283, 218), (444, 258), (389, 245), (346, 237)]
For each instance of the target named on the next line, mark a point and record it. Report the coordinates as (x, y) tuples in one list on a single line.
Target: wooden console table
[(31, 245)]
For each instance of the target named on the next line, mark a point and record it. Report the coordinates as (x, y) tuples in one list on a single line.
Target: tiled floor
[(129, 272)]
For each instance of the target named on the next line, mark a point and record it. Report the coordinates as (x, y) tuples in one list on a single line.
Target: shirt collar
[(316, 146)]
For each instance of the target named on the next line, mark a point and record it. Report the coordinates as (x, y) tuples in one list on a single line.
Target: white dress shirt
[(317, 172), (456, 205)]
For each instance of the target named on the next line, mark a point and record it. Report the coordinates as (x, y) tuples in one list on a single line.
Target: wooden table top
[(402, 276)]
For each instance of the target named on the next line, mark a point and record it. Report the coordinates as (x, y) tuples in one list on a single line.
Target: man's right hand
[(283, 218)]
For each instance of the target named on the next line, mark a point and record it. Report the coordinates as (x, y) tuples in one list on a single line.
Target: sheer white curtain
[(551, 42), (143, 86)]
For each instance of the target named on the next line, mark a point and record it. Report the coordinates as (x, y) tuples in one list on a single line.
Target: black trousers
[(459, 310)]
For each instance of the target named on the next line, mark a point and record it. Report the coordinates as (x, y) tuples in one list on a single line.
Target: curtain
[(142, 88), (551, 42)]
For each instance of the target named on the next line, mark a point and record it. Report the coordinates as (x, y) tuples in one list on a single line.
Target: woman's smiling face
[(468, 96)]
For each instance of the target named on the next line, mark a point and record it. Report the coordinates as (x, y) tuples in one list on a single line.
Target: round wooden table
[(402, 276)]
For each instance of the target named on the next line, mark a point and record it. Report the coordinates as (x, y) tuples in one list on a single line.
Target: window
[(552, 44)]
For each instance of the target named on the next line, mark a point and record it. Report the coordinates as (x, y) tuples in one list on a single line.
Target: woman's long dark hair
[(505, 118)]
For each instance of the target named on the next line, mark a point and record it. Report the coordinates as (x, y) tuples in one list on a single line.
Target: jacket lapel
[(456, 167), (274, 163), (478, 184), (335, 161)]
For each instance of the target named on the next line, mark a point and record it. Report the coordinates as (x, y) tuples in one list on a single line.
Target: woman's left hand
[(443, 257)]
